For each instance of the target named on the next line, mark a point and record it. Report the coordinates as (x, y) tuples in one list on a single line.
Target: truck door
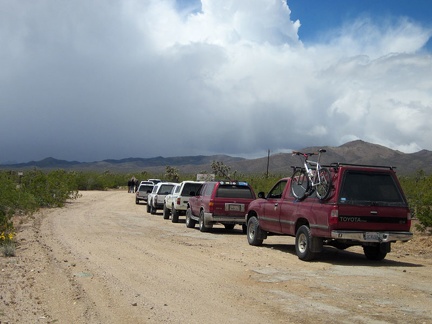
[(272, 207), (288, 206)]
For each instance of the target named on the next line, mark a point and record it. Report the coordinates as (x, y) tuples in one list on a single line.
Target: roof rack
[(338, 164)]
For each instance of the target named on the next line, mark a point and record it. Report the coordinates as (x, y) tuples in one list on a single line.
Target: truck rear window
[(367, 188), (234, 191)]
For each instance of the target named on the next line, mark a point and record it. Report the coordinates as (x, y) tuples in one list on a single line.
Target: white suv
[(155, 199), (176, 202)]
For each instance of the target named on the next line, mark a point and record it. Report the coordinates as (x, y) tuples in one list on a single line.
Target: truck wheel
[(229, 226), (374, 253), (166, 212), (137, 201), (254, 232), (175, 215), (202, 225), (190, 223), (148, 207), (303, 243)]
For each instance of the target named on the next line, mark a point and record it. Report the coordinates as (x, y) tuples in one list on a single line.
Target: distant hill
[(358, 152)]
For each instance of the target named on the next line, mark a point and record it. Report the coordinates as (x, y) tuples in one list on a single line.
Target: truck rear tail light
[(211, 206), (178, 201), (334, 217), (155, 198)]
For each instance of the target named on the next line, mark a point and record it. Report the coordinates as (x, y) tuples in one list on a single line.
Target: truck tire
[(137, 201), (203, 227), (175, 215), (166, 212), (148, 207), (190, 223), (254, 232), (303, 244), (374, 253)]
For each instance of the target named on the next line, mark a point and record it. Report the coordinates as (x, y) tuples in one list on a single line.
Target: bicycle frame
[(312, 168), (311, 177)]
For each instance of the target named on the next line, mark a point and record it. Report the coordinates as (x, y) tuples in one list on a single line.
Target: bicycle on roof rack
[(312, 176)]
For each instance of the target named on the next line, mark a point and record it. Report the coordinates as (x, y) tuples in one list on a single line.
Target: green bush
[(418, 190)]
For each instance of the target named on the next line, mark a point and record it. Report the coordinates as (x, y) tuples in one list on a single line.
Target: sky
[(93, 80)]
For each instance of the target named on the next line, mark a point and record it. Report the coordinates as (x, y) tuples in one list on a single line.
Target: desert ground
[(103, 259)]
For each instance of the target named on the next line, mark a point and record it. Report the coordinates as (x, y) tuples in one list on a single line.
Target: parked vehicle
[(223, 202), (168, 200), (143, 190), (366, 207), (155, 199), (155, 181), (176, 202)]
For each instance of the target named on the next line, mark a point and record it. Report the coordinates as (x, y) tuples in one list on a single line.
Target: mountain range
[(357, 152)]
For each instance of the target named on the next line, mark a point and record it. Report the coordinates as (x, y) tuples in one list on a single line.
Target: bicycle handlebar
[(308, 154)]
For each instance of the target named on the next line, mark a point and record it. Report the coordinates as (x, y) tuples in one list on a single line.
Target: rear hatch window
[(190, 187), (234, 191), (165, 189), (145, 188), (370, 189)]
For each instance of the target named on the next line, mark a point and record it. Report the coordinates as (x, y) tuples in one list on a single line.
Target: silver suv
[(155, 199), (143, 190), (176, 203)]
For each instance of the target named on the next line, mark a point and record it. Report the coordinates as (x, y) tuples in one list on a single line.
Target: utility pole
[(268, 162)]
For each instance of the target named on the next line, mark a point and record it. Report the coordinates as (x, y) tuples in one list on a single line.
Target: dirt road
[(103, 259)]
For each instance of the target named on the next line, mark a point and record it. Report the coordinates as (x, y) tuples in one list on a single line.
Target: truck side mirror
[(261, 194)]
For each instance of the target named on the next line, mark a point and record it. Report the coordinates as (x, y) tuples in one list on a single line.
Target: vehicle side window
[(277, 191), (209, 189)]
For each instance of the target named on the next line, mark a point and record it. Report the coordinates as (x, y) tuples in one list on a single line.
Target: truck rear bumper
[(378, 237), (224, 219)]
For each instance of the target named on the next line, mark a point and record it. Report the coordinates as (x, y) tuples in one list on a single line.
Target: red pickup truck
[(366, 207), (223, 202)]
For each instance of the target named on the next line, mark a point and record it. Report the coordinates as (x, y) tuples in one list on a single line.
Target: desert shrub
[(418, 190), (8, 202), (50, 189)]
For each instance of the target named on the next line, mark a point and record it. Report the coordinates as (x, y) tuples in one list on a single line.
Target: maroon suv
[(223, 202)]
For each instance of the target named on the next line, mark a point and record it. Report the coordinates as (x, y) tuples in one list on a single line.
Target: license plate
[(235, 207), (371, 236)]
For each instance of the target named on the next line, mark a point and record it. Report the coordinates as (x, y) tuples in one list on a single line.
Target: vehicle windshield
[(366, 188), (234, 191)]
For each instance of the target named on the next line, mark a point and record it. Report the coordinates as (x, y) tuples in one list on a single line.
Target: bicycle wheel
[(299, 184), (324, 185)]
